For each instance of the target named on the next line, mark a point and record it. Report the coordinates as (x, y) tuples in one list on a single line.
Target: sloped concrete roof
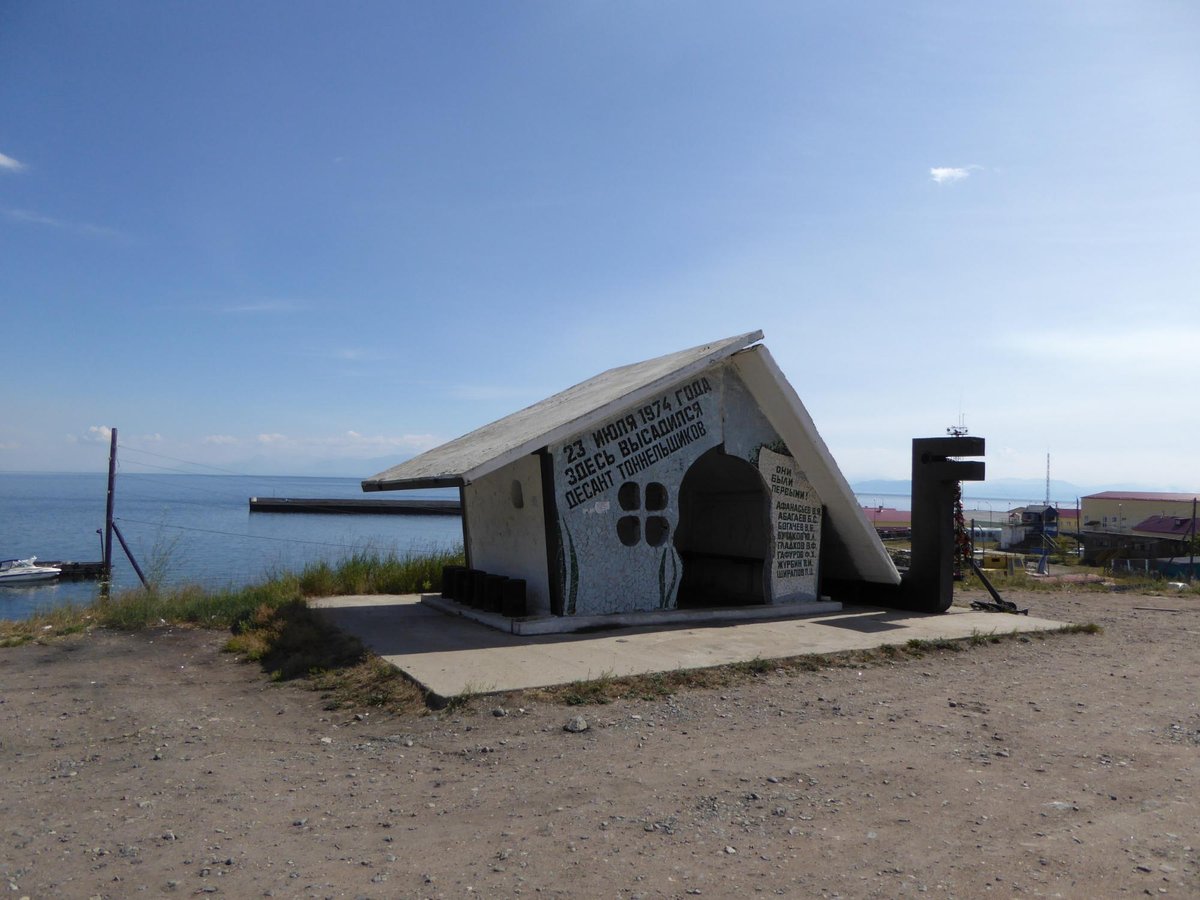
[(484, 450), (556, 418), (863, 554)]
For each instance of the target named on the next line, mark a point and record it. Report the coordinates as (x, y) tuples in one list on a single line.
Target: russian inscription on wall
[(796, 522), (617, 490), (592, 464)]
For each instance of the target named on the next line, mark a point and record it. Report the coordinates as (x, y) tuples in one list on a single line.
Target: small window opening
[(657, 530), (517, 494), (656, 496), (629, 530), (630, 496)]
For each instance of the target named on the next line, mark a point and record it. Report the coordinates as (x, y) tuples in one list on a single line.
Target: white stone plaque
[(796, 528)]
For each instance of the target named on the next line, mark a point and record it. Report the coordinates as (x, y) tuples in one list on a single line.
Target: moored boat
[(18, 571)]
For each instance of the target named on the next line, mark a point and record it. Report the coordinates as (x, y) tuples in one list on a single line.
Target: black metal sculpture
[(928, 585)]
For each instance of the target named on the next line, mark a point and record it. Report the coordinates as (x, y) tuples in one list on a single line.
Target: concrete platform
[(451, 655), (653, 619)]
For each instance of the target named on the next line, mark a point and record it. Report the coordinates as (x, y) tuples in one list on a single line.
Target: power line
[(212, 501), (166, 473), (257, 537), (130, 489), (189, 462), (172, 469)]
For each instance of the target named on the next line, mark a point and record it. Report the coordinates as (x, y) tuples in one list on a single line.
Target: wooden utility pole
[(110, 526), (108, 512)]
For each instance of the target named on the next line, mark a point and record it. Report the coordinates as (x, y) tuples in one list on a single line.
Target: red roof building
[(886, 517), (1167, 527), (1143, 495)]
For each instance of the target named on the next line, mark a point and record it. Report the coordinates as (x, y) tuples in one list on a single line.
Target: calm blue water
[(197, 529), (192, 529)]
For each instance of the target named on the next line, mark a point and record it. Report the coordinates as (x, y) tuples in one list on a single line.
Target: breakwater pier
[(409, 507)]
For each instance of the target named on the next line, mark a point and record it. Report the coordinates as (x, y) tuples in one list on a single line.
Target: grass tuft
[(369, 572), (291, 641), (919, 646), (592, 691), (1083, 628), (270, 622)]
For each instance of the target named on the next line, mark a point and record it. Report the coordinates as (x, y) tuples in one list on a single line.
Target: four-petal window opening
[(630, 528)]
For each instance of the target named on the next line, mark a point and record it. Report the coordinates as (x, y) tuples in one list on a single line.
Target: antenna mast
[(964, 543), (1047, 479)]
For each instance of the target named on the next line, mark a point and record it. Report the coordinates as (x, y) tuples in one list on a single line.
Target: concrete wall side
[(507, 539)]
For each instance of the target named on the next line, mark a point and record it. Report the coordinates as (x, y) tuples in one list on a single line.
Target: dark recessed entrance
[(723, 534)]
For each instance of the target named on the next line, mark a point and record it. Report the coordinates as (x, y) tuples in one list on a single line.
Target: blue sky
[(299, 237)]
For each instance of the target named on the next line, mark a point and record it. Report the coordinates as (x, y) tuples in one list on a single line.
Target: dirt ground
[(1063, 766)]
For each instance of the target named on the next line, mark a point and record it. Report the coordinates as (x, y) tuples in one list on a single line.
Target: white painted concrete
[(796, 528), (507, 539), (550, 421), (711, 536), (601, 573)]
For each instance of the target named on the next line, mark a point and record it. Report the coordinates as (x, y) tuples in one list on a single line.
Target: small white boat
[(15, 571)]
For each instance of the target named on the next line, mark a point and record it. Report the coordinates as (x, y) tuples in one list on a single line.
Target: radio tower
[(963, 549), (1047, 479)]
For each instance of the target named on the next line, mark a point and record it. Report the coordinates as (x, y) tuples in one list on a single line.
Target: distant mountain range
[(1024, 489), (320, 468)]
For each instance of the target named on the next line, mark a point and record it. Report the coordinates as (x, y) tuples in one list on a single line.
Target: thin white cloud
[(951, 174), (9, 445), (9, 164), (96, 434), (220, 439), (351, 354), (24, 215), (402, 441), (487, 392), (351, 443), (262, 306), (1118, 346), (85, 228)]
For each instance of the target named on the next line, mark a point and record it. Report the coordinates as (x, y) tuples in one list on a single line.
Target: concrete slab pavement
[(451, 655)]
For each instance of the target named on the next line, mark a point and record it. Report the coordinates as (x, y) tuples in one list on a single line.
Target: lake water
[(192, 529), (197, 529)]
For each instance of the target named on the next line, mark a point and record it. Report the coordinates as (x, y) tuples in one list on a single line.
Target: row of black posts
[(483, 591)]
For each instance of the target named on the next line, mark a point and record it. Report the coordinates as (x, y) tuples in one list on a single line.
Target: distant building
[(1166, 528), (1136, 525), (1112, 512), (1041, 517), (1029, 526), (889, 522)]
